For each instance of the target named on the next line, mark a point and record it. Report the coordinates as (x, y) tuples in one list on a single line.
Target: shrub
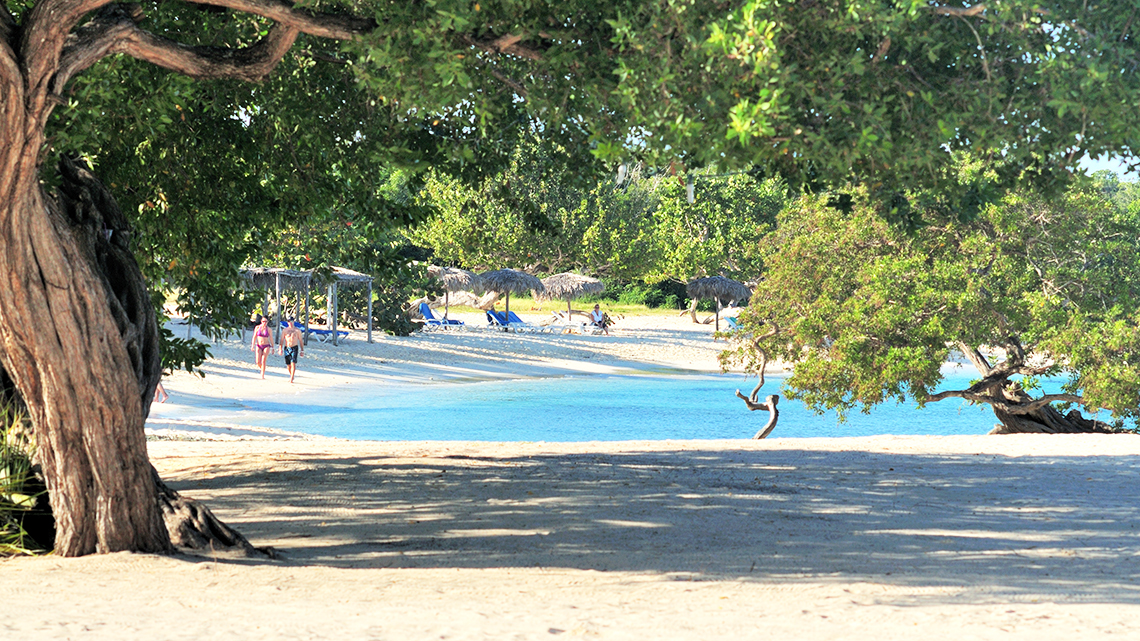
[(21, 494)]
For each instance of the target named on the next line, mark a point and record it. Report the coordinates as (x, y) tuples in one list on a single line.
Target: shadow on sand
[(1020, 526)]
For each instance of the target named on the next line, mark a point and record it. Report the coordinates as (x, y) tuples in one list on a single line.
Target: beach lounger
[(560, 325), (322, 335), (733, 325), (495, 319), (519, 325), (511, 323), (431, 322)]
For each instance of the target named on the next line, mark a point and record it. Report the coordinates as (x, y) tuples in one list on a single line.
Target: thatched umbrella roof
[(510, 281), (569, 286), (506, 281), (454, 279), (717, 287)]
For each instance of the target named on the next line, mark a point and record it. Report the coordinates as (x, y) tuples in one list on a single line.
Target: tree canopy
[(530, 216), (1032, 288)]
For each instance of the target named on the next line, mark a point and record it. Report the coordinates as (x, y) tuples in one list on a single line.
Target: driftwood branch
[(752, 401), (769, 404)]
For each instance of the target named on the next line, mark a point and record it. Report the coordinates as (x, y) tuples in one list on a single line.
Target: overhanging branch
[(115, 30), (324, 25), (505, 44), (959, 12), (1005, 406), (250, 63)]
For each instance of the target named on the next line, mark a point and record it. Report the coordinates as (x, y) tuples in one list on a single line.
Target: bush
[(632, 296), (22, 496)]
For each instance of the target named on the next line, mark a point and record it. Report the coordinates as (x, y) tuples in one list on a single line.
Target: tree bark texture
[(76, 371)]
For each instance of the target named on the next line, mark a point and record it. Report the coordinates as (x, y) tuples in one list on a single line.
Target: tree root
[(193, 526)]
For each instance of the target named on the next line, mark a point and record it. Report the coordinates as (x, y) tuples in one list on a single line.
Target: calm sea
[(612, 408)]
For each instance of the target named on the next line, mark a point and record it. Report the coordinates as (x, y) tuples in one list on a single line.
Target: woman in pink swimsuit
[(262, 343)]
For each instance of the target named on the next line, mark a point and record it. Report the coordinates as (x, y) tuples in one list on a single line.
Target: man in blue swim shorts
[(292, 346)]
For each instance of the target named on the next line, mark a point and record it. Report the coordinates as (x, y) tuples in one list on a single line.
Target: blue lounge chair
[(496, 319), (431, 321), (733, 325), (322, 335)]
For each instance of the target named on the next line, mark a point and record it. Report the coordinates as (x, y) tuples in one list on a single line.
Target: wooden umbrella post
[(277, 338), (308, 283), (332, 311), (369, 311)]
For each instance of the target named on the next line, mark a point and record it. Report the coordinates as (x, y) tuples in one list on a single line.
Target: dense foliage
[(1032, 288), (309, 170), (643, 230)]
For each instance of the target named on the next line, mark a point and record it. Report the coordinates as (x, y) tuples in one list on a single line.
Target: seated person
[(598, 319)]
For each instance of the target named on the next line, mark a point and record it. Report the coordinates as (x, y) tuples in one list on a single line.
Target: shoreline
[(228, 402)]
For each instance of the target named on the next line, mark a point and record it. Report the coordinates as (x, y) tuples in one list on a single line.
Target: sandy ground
[(1022, 537)]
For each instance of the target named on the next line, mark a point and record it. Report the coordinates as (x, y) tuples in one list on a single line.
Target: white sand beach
[(965, 537)]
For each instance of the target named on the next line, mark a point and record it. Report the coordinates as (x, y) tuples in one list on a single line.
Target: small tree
[(1033, 288)]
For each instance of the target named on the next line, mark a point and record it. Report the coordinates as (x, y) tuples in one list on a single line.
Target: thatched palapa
[(453, 279), (569, 286), (719, 289), (508, 281), (274, 278)]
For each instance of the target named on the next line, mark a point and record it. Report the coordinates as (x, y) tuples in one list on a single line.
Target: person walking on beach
[(598, 319), (262, 343), (292, 346)]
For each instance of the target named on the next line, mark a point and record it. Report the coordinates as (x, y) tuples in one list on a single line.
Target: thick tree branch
[(959, 12), (44, 35), (1006, 406), (335, 26), (505, 44), (92, 41), (976, 358), (248, 63), (57, 55)]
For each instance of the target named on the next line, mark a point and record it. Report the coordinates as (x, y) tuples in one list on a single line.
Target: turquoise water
[(614, 408)]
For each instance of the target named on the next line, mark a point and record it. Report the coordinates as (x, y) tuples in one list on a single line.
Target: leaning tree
[(820, 92), (1034, 288)]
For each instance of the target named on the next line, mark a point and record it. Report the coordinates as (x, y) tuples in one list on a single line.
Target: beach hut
[(506, 281), (569, 286), (453, 279), (717, 288), (279, 279)]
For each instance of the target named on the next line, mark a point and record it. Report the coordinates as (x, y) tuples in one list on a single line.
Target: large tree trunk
[(1044, 420), (81, 345), (70, 362)]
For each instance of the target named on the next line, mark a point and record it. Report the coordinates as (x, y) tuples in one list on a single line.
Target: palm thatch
[(453, 279), (569, 286), (718, 288), (508, 281)]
